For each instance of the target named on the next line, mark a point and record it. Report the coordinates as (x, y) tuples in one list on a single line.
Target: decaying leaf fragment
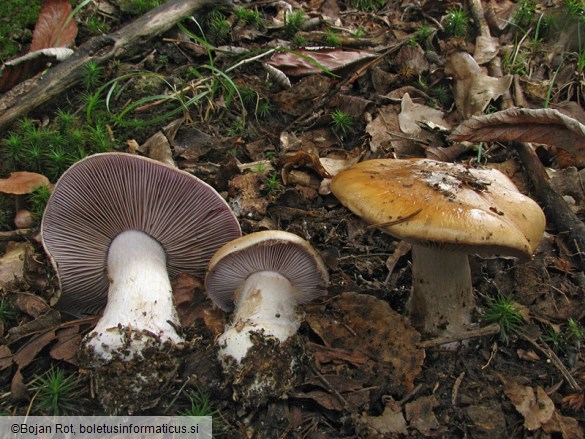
[(367, 325), (305, 62), (412, 115), (534, 404), (473, 89), (544, 125)]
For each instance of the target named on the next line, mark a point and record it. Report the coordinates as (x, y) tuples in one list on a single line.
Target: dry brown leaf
[(157, 147), (29, 351), (568, 427), (486, 49), (18, 390), (67, 345), (525, 125), (362, 323), (12, 265), (420, 416), (305, 62), (473, 89), (391, 421), (55, 26), (188, 298), (385, 134), (534, 404), (28, 303), (413, 115)]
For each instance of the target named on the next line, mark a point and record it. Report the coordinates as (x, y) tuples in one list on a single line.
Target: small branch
[(16, 235), (554, 360), (492, 329)]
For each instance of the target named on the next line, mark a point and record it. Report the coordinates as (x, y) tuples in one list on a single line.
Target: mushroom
[(446, 211), (20, 184), (264, 275), (116, 227)]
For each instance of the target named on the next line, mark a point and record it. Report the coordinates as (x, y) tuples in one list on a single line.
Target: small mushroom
[(446, 211), (116, 227), (264, 275), (22, 183)]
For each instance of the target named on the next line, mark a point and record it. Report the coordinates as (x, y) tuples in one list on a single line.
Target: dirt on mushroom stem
[(129, 386)]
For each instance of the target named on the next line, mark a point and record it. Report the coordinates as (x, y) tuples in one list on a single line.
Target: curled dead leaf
[(543, 125)]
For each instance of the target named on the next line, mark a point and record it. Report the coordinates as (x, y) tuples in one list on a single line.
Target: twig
[(456, 386), (553, 358), (16, 235), (332, 389), (492, 329)]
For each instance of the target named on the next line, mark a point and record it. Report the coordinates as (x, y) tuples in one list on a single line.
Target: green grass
[(456, 22), (7, 313), (331, 38), (293, 22), (248, 16), (506, 313), (271, 182), (38, 200), (342, 122), (367, 5), (17, 19), (56, 393)]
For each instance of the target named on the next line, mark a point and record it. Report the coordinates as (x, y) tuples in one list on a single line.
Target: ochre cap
[(433, 203)]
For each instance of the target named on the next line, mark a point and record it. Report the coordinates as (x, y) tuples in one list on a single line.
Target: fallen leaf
[(420, 416), (364, 324), (29, 351), (567, 426), (55, 26), (12, 265), (391, 421), (18, 390), (486, 49), (544, 125), (28, 303), (473, 89), (67, 345), (534, 404), (305, 62), (412, 115), (157, 147)]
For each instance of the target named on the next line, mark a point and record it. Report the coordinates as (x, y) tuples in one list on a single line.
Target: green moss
[(17, 21)]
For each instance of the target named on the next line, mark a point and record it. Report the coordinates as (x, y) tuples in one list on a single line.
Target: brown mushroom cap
[(269, 250), (104, 195), (20, 183), (443, 204)]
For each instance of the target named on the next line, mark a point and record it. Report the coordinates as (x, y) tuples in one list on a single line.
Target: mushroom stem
[(442, 294), (264, 302), (140, 299)]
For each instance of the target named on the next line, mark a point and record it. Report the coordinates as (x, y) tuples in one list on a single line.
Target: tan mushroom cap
[(268, 250), (20, 183), (443, 204)]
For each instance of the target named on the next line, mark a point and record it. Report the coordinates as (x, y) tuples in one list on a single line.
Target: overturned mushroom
[(264, 275), (446, 211), (116, 227)]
